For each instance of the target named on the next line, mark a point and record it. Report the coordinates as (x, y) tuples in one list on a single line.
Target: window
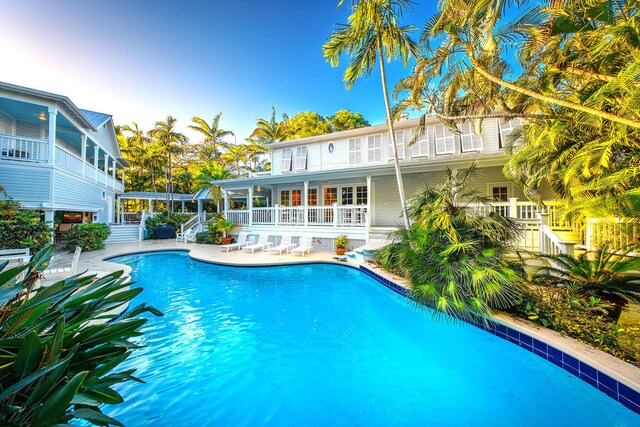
[(470, 141), (300, 161), (400, 143), (312, 197), (421, 147), (285, 198), (361, 195), (445, 140), (505, 130), (347, 195), (374, 148), (285, 161), (330, 196), (355, 151), (296, 197), (500, 193)]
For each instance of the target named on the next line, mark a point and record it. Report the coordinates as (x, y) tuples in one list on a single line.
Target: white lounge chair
[(71, 270), (285, 245), (239, 244), (187, 236), (305, 246), (21, 256), (263, 244)]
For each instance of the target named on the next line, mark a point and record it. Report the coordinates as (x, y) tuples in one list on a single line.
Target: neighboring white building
[(57, 157), (344, 182)]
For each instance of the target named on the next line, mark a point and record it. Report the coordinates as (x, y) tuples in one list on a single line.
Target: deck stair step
[(123, 233)]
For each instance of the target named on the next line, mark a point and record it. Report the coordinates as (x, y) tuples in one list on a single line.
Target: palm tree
[(374, 35), (212, 171), (235, 156), (212, 133), (454, 258), (171, 143), (270, 131), (137, 147)]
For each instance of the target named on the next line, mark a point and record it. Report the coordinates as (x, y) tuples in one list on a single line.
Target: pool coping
[(616, 378)]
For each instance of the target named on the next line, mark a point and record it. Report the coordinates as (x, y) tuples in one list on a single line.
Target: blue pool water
[(327, 345)]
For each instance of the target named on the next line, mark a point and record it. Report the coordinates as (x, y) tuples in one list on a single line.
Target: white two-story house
[(344, 182), (57, 157)]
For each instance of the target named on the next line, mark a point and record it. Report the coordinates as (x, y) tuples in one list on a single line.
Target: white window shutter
[(301, 158), (285, 162)]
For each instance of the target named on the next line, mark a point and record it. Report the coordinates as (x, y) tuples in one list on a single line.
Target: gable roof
[(97, 119)]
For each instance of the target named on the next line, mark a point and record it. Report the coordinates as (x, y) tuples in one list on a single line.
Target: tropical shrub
[(602, 272), (455, 259), (22, 228), (89, 237), (206, 237), (174, 219), (61, 345), (585, 318), (225, 226), (342, 241)]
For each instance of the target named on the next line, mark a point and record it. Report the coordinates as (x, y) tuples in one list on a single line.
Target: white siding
[(74, 191), (29, 129), (6, 123), (26, 183)]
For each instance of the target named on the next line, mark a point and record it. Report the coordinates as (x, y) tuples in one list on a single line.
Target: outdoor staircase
[(123, 233)]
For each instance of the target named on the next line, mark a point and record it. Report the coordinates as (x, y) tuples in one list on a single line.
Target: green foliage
[(225, 226), (207, 237), (345, 120), (61, 345), (305, 124), (89, 237), (568, 310), (453, 258), (22, 228), (342, 241), (594, 272), (175, 219)]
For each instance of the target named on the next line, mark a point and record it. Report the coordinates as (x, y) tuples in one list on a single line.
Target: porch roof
[(484, 160)]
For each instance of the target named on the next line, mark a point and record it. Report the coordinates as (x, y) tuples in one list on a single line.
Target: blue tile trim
[(613, 388)]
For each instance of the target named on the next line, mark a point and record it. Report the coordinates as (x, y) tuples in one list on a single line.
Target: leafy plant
[(342, 241), (22, 228), (61, 345), (601, 272), (569, 311), (454, 258), (174, 219), (89, 237), (225, 226), (207, 238)]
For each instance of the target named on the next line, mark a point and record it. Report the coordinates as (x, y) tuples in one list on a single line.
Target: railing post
[(277, 214), (335, 214), (589, 234), (513, 207), (250, 204), (544, 220), (96, 152)]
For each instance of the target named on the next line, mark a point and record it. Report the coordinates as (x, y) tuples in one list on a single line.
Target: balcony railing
[(334, 216), (23, 149), (68, 160)]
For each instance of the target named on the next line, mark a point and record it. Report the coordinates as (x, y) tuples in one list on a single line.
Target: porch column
[(250, 204), (225, 194), (114, 173), (118, 214), (183, 206), (513, 207), (48, 218), (200, 209), (367, 216), (122, 178), (150, 205), (305, 198), (83, 152), (96, 152), (53, 113), (106, 168)]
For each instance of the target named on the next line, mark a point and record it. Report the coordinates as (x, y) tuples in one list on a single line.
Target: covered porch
[(131, 207)]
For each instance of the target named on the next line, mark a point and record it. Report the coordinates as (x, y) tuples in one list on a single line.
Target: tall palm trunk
[(392, 134)]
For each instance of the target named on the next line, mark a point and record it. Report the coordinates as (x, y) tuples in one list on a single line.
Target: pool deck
[(617, 369)]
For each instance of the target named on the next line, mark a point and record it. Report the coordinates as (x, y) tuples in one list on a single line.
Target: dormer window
[(300, 161), (285, 161)]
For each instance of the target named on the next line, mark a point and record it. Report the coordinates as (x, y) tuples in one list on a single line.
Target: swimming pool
[(323, 344)]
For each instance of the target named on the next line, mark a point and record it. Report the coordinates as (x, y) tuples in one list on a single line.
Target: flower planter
[(340, 250), (226, 240)]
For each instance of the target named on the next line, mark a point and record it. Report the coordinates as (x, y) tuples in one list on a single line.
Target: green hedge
[(89, 237), (206, 237), (175, 219), (22, 228)]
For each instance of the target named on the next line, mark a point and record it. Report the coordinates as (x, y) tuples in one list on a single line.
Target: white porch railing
[(68, 160), (551, 244), (617, 233), (336, 216), (23, 149)]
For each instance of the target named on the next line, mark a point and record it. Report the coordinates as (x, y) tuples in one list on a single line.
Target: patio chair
[(285, 245), (263, 244), (187, 236), (21, 256), (305, 246), (239, 244), (73, 269)]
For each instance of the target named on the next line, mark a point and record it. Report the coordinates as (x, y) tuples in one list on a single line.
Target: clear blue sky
[(142, 60)]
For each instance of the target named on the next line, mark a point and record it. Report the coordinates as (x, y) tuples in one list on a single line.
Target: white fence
[(336, 216), (23, 149)]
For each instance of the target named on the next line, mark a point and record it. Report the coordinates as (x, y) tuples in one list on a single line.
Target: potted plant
[(226, 227), (341, 242)]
